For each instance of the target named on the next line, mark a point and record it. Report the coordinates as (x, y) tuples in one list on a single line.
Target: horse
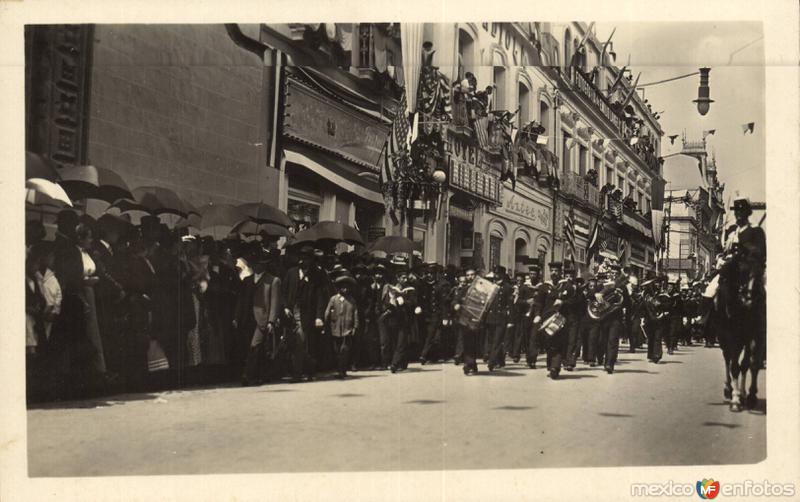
[(739, 319)]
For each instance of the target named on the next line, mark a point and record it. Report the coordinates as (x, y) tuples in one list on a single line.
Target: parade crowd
[(113, 307)]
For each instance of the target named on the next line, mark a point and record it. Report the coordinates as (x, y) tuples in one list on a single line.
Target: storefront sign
[(525, 211), (475, 181), (375, 233), (332, 126)]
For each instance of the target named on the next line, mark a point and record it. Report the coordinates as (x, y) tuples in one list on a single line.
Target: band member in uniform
[(435, 310), (610, 328), (655, 319), (399, 306), (520, 308), (459, 291), (556, 345), (572, 308), (498, 318), (467, 335), (675, 317), (539, 291)]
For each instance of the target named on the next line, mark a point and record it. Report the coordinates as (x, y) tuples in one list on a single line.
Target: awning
[(315, 165)]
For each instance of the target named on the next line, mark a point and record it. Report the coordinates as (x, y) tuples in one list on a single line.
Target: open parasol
[(40, 191), (264, 213), (38, 166), (330, 231)]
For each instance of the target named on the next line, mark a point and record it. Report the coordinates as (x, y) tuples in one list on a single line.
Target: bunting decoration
[(396, 161), (621, 249), (594, 241), (672, 138), (748, 127), (710, 132), (569, 231)]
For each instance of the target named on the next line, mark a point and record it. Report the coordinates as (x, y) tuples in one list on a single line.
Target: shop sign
[(525, 211), (475, 181), (332, 126), (375, 233)]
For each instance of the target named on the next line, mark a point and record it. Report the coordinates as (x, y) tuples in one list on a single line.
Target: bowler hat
[(345, 280)]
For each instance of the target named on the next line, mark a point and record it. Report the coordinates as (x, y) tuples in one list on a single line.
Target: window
[(565, 157), (580, 254), (639, 205), (620, 182), (567, 48), (609, 175), (495, 245), (544, 115), (303, 209), (685, 248), (499, 79), (631, 190), (366, 46), (583, 160), (648, 208), (466, 49), (523, 101)]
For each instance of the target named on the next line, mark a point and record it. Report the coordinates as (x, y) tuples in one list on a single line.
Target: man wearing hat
[(342, 320), (515, 336), (539, 290), (745, 239), (399, 305), (572, 308), (307, 291), (552, 302), (267, 304), (435, 304), (373, 308), (498, 317), (459, 291)]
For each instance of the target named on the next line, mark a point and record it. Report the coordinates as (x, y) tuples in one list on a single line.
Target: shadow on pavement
[(637, 371), (720, 424), (276, 390), (563, 376), (513, 408), (671, 362), (349, 395), (424, 401), (615, 415), (92, 403), (503, 373)]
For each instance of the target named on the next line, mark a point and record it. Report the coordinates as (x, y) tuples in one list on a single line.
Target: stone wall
[(181, 107)]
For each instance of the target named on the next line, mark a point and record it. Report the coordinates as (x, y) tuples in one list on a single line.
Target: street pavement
[(427, 418)]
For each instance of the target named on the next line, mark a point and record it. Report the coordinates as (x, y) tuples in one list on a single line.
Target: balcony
[(576, 186), (596, 96)]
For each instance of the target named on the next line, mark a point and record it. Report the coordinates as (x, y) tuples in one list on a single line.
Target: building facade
[(297, 115)]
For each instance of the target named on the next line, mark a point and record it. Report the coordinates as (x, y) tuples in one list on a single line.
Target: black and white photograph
[(411, 247)]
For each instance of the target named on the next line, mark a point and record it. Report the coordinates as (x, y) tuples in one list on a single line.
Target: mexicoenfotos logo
[(708, 489)]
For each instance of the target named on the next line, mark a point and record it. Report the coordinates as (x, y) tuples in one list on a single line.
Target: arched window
[(466, 53), (544, 116), (523, 101), (499, 80)]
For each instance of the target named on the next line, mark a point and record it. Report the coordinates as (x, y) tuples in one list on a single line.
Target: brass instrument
[(661, 304), (611, 302)]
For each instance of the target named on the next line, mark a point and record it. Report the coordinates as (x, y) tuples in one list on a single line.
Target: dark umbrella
[(250, 227), (264, 213), (395, 244), (37, 166), (89, 182), (329, 231), (160, 200)]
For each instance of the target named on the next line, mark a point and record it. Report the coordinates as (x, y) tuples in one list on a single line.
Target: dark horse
[(739, 318)]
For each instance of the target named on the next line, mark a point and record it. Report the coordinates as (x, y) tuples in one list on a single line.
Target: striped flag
[(278, 107), (482, 131), (594, 242), (396, 152), (569, 231), (622, 247)]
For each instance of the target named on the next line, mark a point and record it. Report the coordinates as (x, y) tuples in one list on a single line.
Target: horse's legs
[(736, 401), (727, 391), (755, 366), (745, 367)]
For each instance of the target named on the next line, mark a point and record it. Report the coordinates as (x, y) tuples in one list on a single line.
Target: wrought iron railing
[(577, 186)]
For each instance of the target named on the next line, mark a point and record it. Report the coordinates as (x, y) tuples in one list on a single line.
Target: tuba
[(612, 301)]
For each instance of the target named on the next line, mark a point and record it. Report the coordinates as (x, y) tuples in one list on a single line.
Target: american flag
[(623, 246), (482, 131), (596, 243), (400, 138), (569, 231)]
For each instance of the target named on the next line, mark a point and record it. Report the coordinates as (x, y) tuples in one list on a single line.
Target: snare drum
[(553, 324)]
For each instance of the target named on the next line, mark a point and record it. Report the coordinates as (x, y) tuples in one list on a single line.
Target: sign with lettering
[(525, 211), (330, 125), (475, 181)]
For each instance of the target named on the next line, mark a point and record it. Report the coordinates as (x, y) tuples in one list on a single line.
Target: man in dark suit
[(540, 290), (498, 318), (572, 307), (307, 291), (267, 304), (435, 307)]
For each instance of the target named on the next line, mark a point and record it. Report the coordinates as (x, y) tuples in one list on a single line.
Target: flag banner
[(708, 133), (634, 140), (278, 105), (594, 242), (569, 230), (621, 250), (415, 128), (748, 128), (411, 35), (657, 220), (672, 139), (542, 139), (482, 131)]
